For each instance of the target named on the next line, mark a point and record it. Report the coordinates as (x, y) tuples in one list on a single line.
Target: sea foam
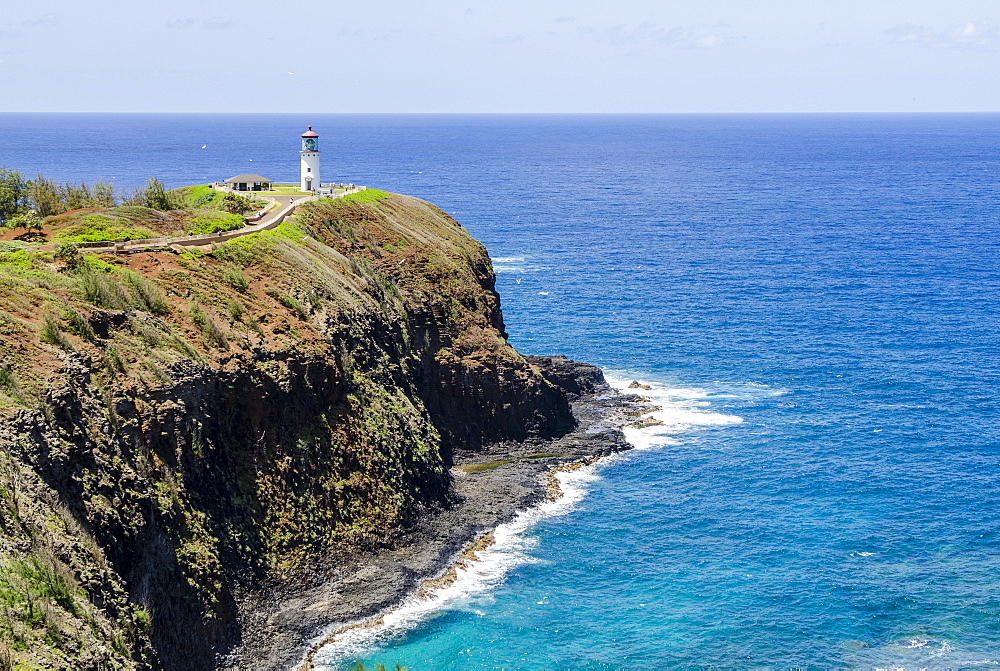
[(679, 409), (510, 549)]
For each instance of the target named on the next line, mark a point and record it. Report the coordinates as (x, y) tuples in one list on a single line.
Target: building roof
[(247, 179), (310, 133)]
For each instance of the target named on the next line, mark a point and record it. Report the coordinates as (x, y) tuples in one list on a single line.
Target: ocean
[(813, 300)]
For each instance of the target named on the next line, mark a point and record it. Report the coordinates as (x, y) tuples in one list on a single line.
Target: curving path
[(269, 220)]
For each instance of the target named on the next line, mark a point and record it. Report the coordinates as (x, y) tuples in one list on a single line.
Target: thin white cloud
[(679, 37), (968, 35), (181, 24), (565, 19), (215, 23), (46, 21), (508, 39)]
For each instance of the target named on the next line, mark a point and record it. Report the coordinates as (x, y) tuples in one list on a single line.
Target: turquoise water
[(813, 299)]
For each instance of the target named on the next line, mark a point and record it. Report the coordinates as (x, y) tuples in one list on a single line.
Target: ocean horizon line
[(814, 113)]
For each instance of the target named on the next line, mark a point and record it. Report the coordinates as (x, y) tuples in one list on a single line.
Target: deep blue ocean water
[(814, 300)]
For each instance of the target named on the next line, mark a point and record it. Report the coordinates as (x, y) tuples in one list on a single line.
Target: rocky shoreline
[(287, 624)]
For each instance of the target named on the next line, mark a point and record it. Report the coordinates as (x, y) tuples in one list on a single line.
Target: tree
[(26, 219), (13, 194), (236, 204), (155, 196), (75, 197), (43, 195), (103, 195)]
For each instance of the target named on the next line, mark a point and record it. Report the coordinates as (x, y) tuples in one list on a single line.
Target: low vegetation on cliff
[(42, 210), (180, 432)]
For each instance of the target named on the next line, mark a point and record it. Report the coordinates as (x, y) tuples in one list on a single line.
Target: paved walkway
[(269, 220)]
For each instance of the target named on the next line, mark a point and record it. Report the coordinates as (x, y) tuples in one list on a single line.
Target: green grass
[(18, 261), (488, 466), (257, 247), (198, 196), (545, 455), (99, 228), (213, 222), (366, 196), (280, 190)]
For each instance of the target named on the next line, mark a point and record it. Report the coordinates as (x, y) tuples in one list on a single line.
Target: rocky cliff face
[(182, 430)]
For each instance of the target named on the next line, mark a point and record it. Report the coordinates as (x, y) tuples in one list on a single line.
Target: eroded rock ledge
[(353, 587), (188, 439)]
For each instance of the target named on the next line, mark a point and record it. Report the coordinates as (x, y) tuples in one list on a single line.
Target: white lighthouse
[(309, 164)]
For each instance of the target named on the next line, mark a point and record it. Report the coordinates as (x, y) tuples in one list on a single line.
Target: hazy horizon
[(469, 56)]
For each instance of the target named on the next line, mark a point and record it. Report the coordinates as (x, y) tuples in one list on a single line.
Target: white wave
[(913, 653), (504, 265), (681, 408), (508, 551), (933, 647)]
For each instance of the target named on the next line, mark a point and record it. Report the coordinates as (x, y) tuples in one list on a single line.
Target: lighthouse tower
[(309, 164)]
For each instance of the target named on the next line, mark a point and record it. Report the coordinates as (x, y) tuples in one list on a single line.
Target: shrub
[(51, 333), (236, 204), (9, 384), (145, 294), (289, 302), (69, 254), (115, 359), (28, 587), (78, 324), (12, 246), (234, 277), (239, 252), (148, 334), (183, 347), (100, 228), (236, 310), (101, 289), (207, 325)]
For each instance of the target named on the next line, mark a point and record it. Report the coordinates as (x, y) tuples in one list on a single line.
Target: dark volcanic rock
[(208, 443), (576, 379), (367, 584)]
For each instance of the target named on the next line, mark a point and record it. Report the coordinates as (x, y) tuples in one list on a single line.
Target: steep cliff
[(179, 430)]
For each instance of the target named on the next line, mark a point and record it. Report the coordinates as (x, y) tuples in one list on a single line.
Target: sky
[(500, 56)]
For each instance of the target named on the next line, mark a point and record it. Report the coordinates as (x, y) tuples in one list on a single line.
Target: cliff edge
[(185, 434)]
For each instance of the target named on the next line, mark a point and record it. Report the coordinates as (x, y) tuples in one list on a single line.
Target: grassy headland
[(180, 430)]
